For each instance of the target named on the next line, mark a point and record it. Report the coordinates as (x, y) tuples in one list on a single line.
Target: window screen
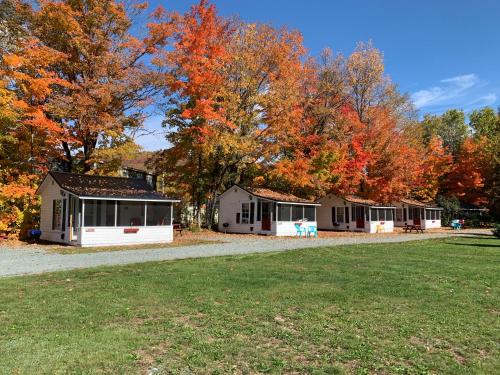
[(310, 213), (130, 213), (284, 212), (159, 213), (297, 212)]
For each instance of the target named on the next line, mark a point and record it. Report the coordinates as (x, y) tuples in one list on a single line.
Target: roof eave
[(175, 200)]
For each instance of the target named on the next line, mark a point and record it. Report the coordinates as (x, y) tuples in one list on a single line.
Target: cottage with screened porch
[(86, 210), (412, 212), (352, 213), (263, 211)]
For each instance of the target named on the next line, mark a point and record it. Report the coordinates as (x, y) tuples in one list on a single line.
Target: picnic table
[(178, 228), (416, 228)]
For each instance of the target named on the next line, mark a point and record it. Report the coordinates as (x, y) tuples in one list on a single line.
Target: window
[(399, 214), (334, 217), (56, 214), (99, 213), (284, 212), (340, 215), (245, 213), (238, 217), (297, 212), (130, 214), (159, 213), (310, 213)]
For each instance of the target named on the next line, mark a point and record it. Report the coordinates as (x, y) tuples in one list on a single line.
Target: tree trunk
[(68, 163)]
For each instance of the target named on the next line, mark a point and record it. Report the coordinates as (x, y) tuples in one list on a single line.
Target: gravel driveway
[(21, 261)]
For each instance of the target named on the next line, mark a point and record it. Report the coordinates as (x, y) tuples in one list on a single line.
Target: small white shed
[(352, 213), (87, 210), (263, 211), (412, 212)]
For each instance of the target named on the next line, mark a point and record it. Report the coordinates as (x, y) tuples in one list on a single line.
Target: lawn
[(421, 307)]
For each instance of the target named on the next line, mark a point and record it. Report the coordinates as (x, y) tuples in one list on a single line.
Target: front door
[(266, 216), (416, 216), (360, 217)]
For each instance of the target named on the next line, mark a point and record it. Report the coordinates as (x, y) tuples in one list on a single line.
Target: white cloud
[(485, 100), (450, 88)]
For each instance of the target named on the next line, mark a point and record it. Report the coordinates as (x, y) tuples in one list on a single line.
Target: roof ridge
[(95, 175)]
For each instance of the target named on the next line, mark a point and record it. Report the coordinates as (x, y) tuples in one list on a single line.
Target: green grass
[(420, 307)]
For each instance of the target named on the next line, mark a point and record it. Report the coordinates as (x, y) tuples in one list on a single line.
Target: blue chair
[(455, 224), (300, 230), (312, 230)]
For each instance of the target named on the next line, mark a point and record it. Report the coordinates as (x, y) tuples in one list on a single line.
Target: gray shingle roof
[(106, 186)]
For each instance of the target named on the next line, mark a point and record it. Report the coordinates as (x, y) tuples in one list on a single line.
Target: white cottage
[(86, 210), (412, 212), (263, 211), (353, 213)]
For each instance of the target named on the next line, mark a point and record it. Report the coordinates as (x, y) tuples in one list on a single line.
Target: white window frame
[(245, 213)]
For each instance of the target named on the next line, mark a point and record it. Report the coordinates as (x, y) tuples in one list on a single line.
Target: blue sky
[(444, 53)]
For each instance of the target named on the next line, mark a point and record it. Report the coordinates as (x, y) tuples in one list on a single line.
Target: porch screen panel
[(427, 214), (347, 214), (130, 214), (259, 210), (297, 212), (438, 215), (389, 215), (159, 213), (310, 213), (374, 214), (284, 212), (99, 213)]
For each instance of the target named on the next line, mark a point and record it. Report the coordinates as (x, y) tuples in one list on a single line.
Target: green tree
[(450, 127), (485, 122)]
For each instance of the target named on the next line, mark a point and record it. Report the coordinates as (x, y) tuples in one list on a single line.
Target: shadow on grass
[(487, 245)]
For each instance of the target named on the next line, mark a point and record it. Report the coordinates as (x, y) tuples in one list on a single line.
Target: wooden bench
[(416, 228), (178, 228)]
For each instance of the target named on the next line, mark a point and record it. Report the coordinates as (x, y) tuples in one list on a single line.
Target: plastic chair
[(455, 224), (312, 230), (300, 230)]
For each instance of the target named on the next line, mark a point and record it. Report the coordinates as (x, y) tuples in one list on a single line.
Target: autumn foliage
[(242, 103)]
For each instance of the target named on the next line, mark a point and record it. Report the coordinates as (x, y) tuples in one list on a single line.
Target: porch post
[(82, 224), (145, 212), (116, 213)]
